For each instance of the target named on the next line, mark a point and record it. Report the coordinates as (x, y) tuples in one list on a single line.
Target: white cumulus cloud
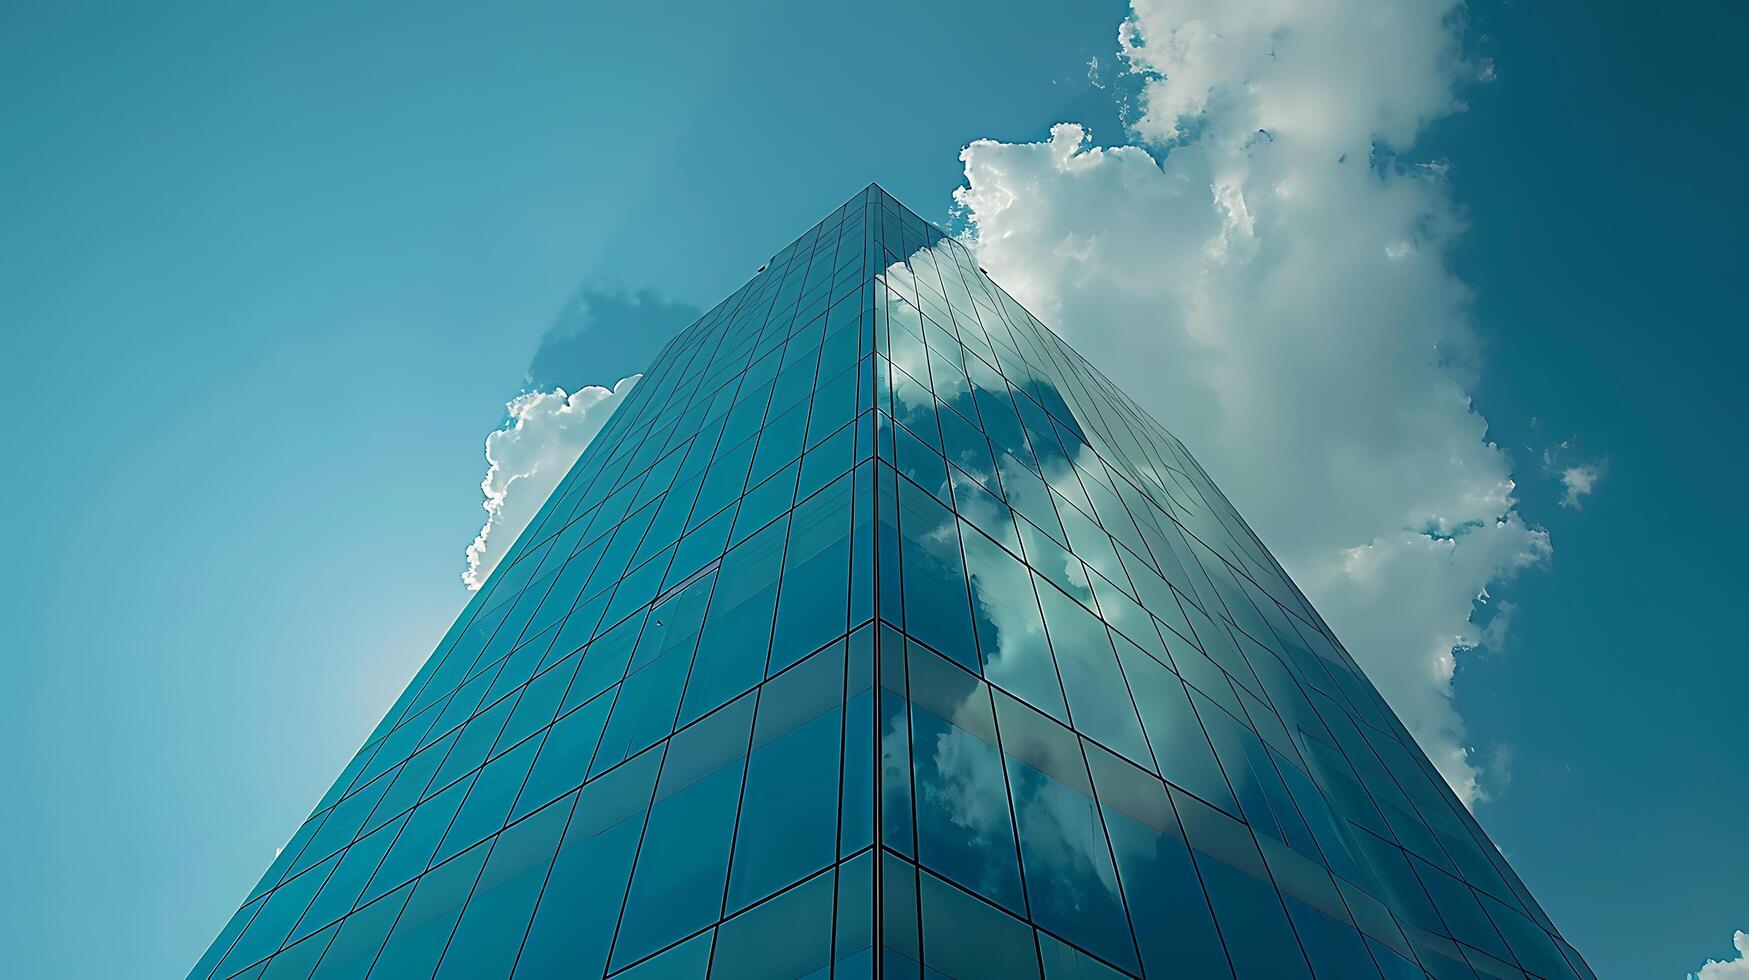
[(1269, 277), (1578, 477), (544, 433), (1734, 969), (1578, 481)]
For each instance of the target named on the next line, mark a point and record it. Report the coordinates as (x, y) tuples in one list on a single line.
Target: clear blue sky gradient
[(270, 276)]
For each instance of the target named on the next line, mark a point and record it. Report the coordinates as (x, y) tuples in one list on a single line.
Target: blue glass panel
[(604, 662), (1011, 635), (787, 936), (937, 608), (276, 918), (1174, 733), (1071, 886), (853, 932), (891, 595), (780, 442), (967, 447), (343, 888), (1530, 945), (490, 932), (856, 806), (538, 703), (1334, 948), (488, 803), (564, 756), (1256, 930), (737, 631), (1173, 925), (1099, 701), (966, 939), (412, 850), (964, 829), (827, 461), (360, 938), (227, 936), (342, 824), (677, 886), (788, 821), (834, 401), (474, 744), (896, 819), (579, 910), (687, 961), (921, 464), (862, 547), (644, 711), (1029, 496), (1065, 962), (765, 502), (902, 949), (1393, 965), (811, 603), (723, 483), (297, 961), (424, 928), (1463, 915)]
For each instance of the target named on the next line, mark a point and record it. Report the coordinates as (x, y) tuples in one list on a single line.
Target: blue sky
[(272, 277)]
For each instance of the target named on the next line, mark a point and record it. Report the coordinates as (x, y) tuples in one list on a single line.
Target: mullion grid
[(435, 710), (517, 692), (1222, 511), (892, 475), (1125, 436)]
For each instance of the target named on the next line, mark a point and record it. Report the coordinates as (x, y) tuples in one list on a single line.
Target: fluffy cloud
[(1267, 274), (1736, 969), (1578, 477), (542, 436), (1577, 481)]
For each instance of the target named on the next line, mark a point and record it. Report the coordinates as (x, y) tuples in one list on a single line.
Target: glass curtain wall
[(877, 633)]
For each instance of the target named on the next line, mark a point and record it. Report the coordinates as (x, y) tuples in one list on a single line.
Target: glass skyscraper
[(879, 634)]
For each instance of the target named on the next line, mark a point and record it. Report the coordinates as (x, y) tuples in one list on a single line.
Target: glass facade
[(878, 634)]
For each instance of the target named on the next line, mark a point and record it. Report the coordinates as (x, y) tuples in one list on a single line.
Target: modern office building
[(879, 634)]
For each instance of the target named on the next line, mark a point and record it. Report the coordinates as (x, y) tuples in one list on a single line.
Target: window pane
[(426, 923), (1099, 701), (1071, 886), (966, 939), (811, 602), (1180, 746), (677, 886), (347, 882), (496, 918), (418, 841), (1065, 962), (787, 937), (856, 808), (276, 918), (1255, 928), (854, 932), (789, 819), (963, 825), (738, 627), (488, 804), (578, 910), (564, 756), (687, 961), (1011, 634), (1173, 925), (360, 937), (937, 609)]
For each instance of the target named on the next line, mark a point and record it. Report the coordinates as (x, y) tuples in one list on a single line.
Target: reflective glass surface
[(877, 633)]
